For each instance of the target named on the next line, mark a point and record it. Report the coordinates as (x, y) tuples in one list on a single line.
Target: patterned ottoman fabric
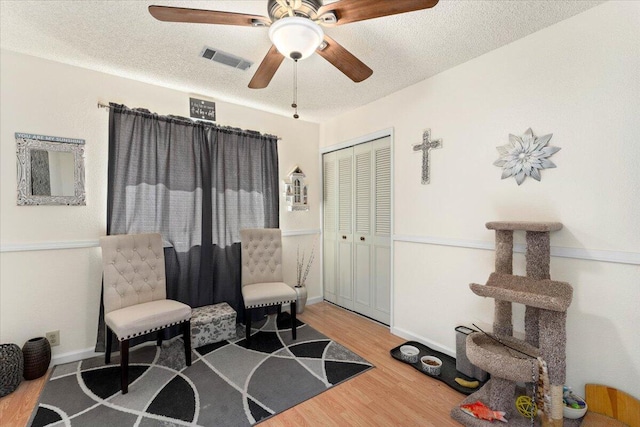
[(212, 323)]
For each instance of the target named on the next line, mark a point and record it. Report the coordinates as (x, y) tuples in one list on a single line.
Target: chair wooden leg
[(293, 320), (247, 322), (279, 309), (186, 337), (159, 340), (108, 335), (124, 366)]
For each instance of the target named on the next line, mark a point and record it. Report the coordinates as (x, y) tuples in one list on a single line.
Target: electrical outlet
[(53, 337)]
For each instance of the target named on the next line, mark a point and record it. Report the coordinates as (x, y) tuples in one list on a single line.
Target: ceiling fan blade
[(199, 16), (344, 60), (267, 69), (358, 10)]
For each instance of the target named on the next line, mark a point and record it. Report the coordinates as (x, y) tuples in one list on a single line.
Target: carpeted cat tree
[(510, 360)]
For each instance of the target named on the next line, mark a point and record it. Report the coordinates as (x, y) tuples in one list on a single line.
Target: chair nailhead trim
[(270, 304), (152, 330)]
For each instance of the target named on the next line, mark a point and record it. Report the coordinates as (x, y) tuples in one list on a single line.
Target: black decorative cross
[(426, 146)]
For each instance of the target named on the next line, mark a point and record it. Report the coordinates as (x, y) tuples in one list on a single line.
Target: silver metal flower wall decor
[(525, 156)]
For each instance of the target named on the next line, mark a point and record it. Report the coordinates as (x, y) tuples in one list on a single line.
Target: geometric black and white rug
[(226, 384)]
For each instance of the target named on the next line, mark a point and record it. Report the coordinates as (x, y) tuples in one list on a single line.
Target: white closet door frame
[(350, 143)]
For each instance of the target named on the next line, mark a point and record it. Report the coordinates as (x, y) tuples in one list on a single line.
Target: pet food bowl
[(409, 353), (431, 365), (572, 412)]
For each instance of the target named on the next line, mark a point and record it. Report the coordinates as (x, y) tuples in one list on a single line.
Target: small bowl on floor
[(576, 409), (409, 353), (431, 365)]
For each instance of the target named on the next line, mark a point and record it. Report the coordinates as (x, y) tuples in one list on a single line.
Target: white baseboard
[(402, 333), (314, 300), (74, 356), (310, 301)]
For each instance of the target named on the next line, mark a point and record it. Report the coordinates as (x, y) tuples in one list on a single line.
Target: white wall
[(578, 80), (48, 290)]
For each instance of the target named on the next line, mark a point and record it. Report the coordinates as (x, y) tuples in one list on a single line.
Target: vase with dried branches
[(303, 266)]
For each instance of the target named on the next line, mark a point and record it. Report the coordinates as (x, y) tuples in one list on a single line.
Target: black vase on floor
[(37, 356)]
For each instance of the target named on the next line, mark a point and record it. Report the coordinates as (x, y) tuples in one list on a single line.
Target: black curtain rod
[(100, 105)]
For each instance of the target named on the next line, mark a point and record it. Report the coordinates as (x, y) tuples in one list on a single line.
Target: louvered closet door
[(371, 261), (330, 205), (357, 228), (381, 239), (344, 235)]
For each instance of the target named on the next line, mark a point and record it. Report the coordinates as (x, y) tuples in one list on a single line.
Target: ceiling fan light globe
[(295, 34)]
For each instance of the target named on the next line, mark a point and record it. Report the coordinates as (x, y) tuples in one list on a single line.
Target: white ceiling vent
[(225, 58)]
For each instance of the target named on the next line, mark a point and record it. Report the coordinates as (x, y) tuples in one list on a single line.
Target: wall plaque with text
[(201, 109)]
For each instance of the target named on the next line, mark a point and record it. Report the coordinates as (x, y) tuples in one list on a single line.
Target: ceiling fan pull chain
[(295, 89)]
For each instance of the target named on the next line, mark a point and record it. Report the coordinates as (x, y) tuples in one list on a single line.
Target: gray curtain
[(197, 184)]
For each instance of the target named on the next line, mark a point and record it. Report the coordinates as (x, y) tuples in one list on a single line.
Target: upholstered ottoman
[(212, 323)]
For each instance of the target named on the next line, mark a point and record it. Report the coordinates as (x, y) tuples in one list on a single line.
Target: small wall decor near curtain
[(197, 184)]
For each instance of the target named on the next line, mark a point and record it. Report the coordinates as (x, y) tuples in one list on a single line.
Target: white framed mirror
[(50, 170)]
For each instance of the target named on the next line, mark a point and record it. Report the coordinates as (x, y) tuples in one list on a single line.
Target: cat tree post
[(553, 341), (550, 324), (538, 259), (503, 317)]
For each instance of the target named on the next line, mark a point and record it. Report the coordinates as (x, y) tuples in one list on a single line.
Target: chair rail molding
[(79, 244), (49, 246), (618, 257), (292, 233)]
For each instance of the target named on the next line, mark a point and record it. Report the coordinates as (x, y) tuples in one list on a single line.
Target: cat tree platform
[(524, 226), (491, 356), (546, 294)]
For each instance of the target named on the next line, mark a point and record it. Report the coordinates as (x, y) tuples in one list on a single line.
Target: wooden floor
[(392, 394)]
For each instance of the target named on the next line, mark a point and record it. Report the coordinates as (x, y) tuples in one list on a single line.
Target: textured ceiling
[(121, 38)]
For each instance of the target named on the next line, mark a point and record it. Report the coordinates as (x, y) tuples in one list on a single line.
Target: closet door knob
[(362, 238), (344, 237)]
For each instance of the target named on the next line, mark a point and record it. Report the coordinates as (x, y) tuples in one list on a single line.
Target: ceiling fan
[(295, 29)]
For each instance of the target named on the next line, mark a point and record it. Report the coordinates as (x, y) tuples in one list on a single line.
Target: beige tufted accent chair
[(262, 285), (135, 295)]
